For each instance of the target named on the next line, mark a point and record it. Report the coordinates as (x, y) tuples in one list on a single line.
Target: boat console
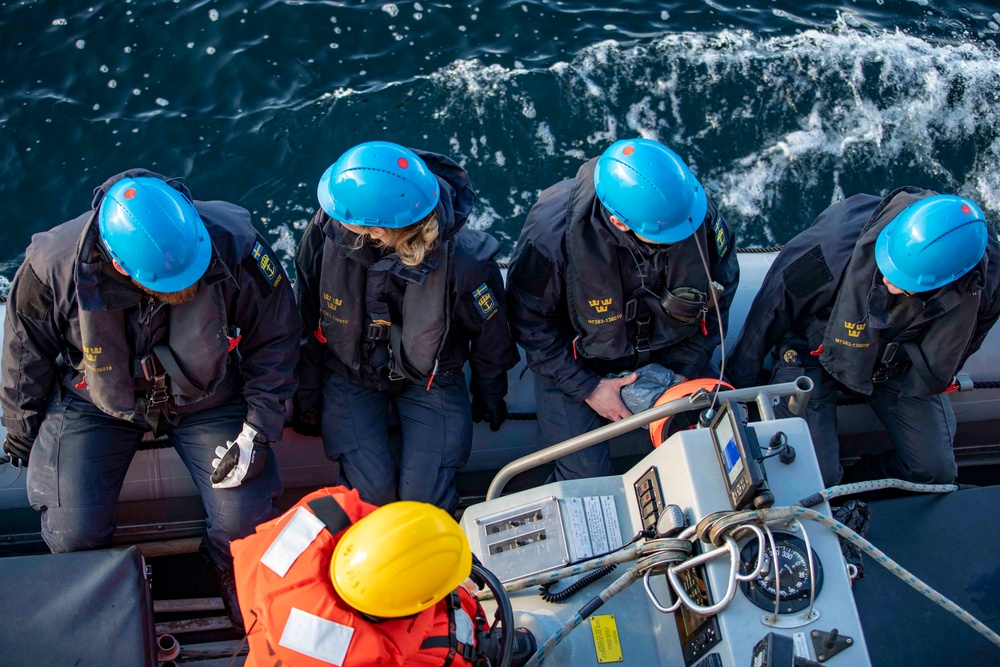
[(727, 600)]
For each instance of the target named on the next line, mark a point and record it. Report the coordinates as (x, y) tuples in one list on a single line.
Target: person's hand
[(494, 412), (606, 399), (681, 378), (307, 422), (239, 460), (18, 449)]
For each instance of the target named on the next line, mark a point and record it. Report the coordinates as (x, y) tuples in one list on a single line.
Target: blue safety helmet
[(649, 188), (931, 243), (379, 184), (154, 234)]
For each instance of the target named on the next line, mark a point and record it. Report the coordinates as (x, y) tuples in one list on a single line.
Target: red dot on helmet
[(628, 150), (965, 209), (403, 163), (129, 193)]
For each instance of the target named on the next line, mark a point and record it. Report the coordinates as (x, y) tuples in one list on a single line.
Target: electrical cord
[(561, 596), (718, 315), (239, 649), (633, 574), (551, 577), (777, 445), (721, 529), (627, 552)]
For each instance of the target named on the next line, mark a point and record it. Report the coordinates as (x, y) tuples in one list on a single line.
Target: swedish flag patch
[(486, 303), (721, 242), (267, 264)]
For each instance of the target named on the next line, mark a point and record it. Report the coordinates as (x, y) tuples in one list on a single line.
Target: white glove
[(243, 459)]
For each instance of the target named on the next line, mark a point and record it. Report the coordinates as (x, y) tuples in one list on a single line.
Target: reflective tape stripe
[(294, 539), (316, 637), (464, 628)]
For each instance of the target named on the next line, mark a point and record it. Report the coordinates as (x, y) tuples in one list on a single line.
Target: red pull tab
[(83, 382), (433, 373), (319, 334), (704, 326), (952, 387), (575, 357), (818, 351), (233, 342)]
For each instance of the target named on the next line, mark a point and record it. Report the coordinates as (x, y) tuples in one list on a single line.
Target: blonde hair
[(411, 244)]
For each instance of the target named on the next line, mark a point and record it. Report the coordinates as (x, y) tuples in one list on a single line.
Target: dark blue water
[(780, 107)]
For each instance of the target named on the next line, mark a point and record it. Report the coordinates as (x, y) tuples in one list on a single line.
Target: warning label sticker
[(606, 641)]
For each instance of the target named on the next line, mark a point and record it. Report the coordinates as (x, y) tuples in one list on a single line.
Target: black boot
[(227, 588)]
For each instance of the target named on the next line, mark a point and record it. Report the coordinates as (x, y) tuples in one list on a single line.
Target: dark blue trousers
[(561, 417), (81, 455), (922, 428), (437, 438)]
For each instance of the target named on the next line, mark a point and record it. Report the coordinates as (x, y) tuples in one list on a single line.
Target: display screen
[(725, 440), (689, 622), (697, 634)]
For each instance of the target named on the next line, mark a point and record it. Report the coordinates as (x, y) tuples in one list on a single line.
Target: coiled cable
[(561, 596)]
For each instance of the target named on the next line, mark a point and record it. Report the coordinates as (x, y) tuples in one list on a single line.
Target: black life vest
[(197, 336), (852, 338), (351, 314), (611, 319)]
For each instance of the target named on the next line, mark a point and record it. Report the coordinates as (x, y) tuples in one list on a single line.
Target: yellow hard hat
[(400, 559)]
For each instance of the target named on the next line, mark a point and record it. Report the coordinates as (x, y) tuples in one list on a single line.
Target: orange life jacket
[(297, 619)]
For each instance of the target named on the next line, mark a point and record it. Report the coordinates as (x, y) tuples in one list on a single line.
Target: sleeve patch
[(34, 299), (721, 242), (486, 303), (264, 267), (531, 272), (807, 274)]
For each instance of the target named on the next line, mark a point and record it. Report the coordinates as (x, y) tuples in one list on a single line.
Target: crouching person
[(886, 297), (150, 312), (337, 581)]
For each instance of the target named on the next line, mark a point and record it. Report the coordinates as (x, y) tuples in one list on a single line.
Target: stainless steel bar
[(763, 396)]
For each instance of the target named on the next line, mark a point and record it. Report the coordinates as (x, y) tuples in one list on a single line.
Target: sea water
[(780, 108)]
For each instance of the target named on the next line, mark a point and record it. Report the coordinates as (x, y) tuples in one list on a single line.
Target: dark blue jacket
[(824, 294), (561, 329), (67, 275), (472, 299)]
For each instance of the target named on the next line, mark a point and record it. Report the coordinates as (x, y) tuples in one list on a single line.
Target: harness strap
[(398, 370), (643, 329), (157, 392), (920, 366), (465, 650), (455, 647), (166, 358)]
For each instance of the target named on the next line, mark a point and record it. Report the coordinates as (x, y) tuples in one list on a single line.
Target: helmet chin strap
[(621, 226)]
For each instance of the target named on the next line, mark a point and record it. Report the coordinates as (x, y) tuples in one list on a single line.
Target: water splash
[(771, 125)]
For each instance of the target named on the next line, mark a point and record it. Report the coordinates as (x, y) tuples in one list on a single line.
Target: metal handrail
[(765, 398)]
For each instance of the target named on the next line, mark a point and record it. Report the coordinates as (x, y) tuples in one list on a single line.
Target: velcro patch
[(531, 272), (34, 299), (807, 274), (486, 303)]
